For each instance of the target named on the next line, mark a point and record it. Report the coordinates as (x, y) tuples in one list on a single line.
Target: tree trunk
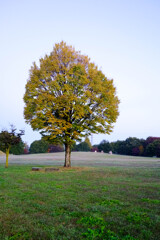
[(67, 155), (7, 154)]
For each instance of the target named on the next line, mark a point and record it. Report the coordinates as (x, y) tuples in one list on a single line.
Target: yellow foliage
[(67, 95)]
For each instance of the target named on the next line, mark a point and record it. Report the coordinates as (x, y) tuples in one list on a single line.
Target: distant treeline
[(131, 146), (38, 146)]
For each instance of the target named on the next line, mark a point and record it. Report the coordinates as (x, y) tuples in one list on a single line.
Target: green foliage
[(138, 218), (82, 147), (10, 138), (97, 229), (127, 147), (39, 146), (17, 149), (104, 146), (67, 96), (135, 147), (153, 149), (152, 201), (110, 202), (131, 143)]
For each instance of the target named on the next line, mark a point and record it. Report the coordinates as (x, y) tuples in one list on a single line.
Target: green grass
[(114, 203)]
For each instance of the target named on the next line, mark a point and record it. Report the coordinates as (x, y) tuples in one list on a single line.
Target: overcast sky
[(121, 37)]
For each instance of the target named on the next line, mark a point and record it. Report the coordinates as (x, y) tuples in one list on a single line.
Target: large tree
[(9, 139), (67, 97)]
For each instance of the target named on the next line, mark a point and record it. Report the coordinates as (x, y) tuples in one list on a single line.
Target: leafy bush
[(39, 146), (17, 149)]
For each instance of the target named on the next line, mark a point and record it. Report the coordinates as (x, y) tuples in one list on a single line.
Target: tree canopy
[(9, 139), (67, 97)]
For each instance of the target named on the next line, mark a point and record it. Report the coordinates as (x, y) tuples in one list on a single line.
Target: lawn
[(89, 202)]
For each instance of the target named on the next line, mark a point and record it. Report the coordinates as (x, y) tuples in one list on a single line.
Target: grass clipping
[(60, 169)]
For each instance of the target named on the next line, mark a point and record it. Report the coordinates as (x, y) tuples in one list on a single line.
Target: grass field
[(83, 159), (106, 197)]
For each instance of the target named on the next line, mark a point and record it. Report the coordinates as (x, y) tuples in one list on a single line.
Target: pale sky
[(122, 37)]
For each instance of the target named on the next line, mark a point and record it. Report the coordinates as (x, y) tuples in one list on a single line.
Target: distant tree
[(94, 148), (26, 148), (136, 151), (39, 146), (68, 97), (141, 150), (133, 146), (18, 148), (55, 148), (153, 149), (82, 147), (104, 146), (9, 139), (88, 142), (130, 144), (151, 139), (142, 147), (118, 147), (148, 141)]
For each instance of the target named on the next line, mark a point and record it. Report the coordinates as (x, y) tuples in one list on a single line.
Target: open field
[(108, 197), (83, 159)]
